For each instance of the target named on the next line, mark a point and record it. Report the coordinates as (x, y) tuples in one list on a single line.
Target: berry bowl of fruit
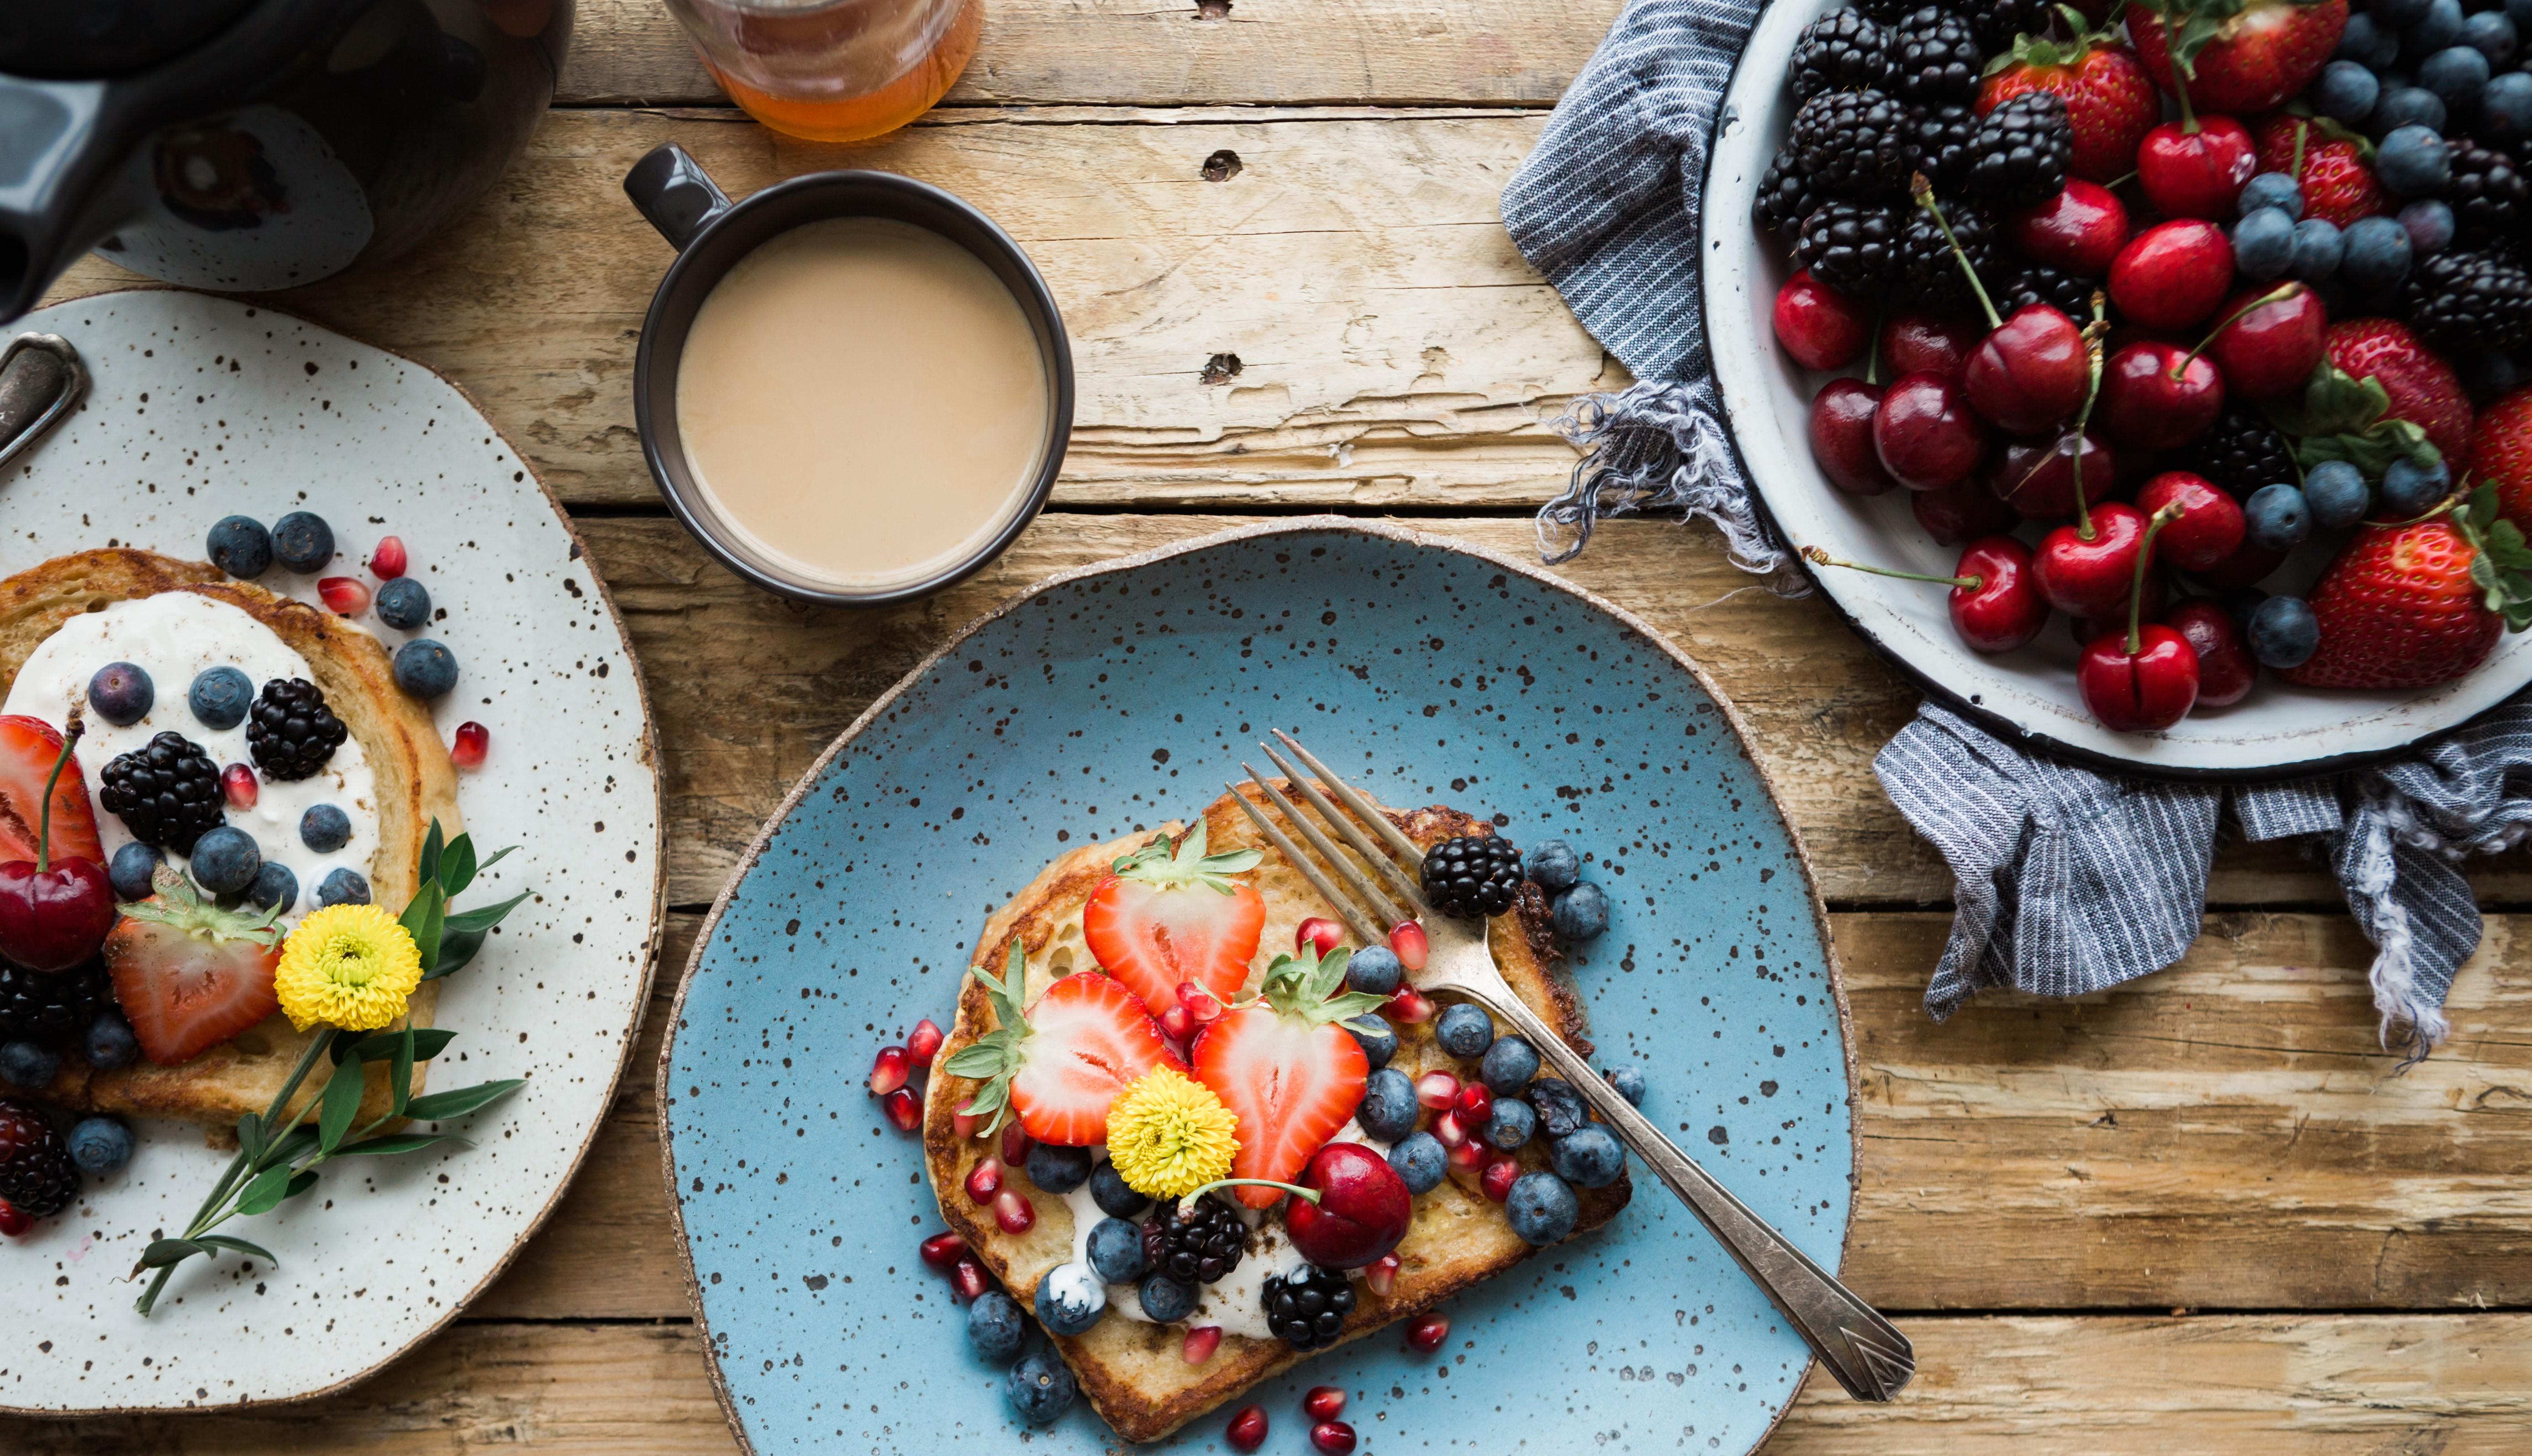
[(2182, 433)]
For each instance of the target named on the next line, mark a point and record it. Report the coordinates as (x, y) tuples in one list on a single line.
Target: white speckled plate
[(203, 407)]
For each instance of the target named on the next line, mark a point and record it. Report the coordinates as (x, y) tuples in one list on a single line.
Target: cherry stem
[(1818, 557), (1307, 1194), (2277, 295), (1924, 192), (2093, 351), (2136, 587), (2303, 128), (44, 820)]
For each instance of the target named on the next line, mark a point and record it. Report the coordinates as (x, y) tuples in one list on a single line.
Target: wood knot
[(1222, 166)]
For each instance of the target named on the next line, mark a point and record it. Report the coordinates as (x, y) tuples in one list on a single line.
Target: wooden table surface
[(2196, 1213)]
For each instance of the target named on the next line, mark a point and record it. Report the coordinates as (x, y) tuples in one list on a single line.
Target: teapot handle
[(675, 193)]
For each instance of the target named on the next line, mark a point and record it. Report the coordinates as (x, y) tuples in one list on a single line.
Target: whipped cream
[(175, 637)]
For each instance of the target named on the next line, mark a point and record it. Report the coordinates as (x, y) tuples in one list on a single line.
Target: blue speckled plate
[(1119, 697)]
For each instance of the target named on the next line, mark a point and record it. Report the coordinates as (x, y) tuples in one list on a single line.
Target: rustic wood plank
[(1135, 53), (2289, 1386), (1392, 347)]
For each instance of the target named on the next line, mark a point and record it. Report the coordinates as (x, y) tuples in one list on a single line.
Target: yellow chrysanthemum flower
[(348, 966), (1170, 1136)]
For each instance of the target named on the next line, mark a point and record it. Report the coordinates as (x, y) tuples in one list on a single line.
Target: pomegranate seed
[(388, 559), (967, 1278), (1408, 1007), (1469, 1156), (1248, 1428), (1499, 1175), (1016, 1142), (238, 783), (1452, 1132), (1332, 1436), (474, 740), (903, 1108), (1426, 1333), (965, 1121), (1382, 1276), (944, 1250), (1323, 1403), (1200, 1343), (923, 1043), (14, 1220), (1320, 931), (1014, 1211), (985, 1180), (1406, 938), (1437, 1091), (1475, 1104), (1177, 1025), (1202, 1006), (888, 1071), (344, 597)]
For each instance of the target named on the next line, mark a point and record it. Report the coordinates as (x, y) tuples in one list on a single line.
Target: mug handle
[(675, 193)]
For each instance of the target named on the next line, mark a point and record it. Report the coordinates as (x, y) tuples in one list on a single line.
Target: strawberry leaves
[(2189, 25), (2501, 567), (2344, 417), (1306, 986), (1159, 864), (996, 1055)]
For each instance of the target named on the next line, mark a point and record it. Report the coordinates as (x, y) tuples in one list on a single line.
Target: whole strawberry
[(2109, 99), (2414, 605), (2501, 454), (36, 1179), (2337, 171), (2421, 386), (2240, 55)]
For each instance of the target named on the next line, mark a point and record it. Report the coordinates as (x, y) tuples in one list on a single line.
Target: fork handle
[(1867, 1353)]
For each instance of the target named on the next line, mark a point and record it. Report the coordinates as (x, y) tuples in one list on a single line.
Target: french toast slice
[(408, 764), (1132, 1372)]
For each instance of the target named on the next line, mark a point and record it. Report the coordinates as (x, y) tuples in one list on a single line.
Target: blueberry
[(2413, 161), (2271, 190), (2438, 26), (220, 697), (403, 604), (2395, 14), (2485, 375), (2264, 244), (1378, 1043), (1512, 1123), (225, 860), (1071, 1299), (1581, 914), (1629, 1083), (130, 872), (1375, 971), (28, 1066), (2505, 109), (274, 885), (110, 1045), (343, 887), (1553, 865), (2430, 226), (2318, 248), (240, 547), (2369, 42), (1419, 1161), (2337, 494), (1508, 1065), (1116, 1197), (1165, 1300), (121, 693), (1465, 1031), (1117, 1251), (2409, 488), (1560, 1108), (1541, 1208), (1591, 1156), (994, 1326), (1058, 1169), (2405, 106), (2278, 517), (2376, 252), (2492, 35), (1040, 1388), (2457, 74), (100, 1146), (2345, 92), (1388, 1107), (2519, 11), (425, 669), (303, 541), (324, 828), (2283, 631)]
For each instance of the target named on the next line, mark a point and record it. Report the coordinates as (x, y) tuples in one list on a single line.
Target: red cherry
[(388, 559), (1426, 1333), (2029, 372), (1247, 1429), (1841, 431), (1319, 931), (2155, 396), (1962, 510), (2037, 478), (1361, 1211), (2210, 524), (2140, 691), (2149, 609), (2196, 172), (2004, 610), (1820, 327), (943, 1251), (239, 785), (1323, 1403), (1929, 343), (1925, 433), (473, 741), (2091, 577), (2249, 564), (2172, 275), (923, 1043), (2080, 230), (2226, 667), (54, 910), (1335, 1437), (2269, 343)]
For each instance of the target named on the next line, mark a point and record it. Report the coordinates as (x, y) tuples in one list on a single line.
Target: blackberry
[(2469, 301), (2023, 148), (1198, 1249), (1850, 246), (2000, 23), (37, 1175), (1471, 875), (1307, 1308), (291, 731), (51, 1009), (2491, 196), (1843, 50), (1785, 195), (2241, 452), (167, 792), (1934, 58), (1853, 145), (1929, 276), (2038, 283), (1938, 143)]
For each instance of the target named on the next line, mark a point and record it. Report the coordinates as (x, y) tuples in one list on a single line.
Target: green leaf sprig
[(2501, 566)]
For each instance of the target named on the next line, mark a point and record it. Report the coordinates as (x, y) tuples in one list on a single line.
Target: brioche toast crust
[(1132, 1372)]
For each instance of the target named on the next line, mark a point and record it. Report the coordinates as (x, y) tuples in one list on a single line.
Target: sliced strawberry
[(27, 749), (1168, 916), (1285, 1069), (1058, 1065), (188, 973)]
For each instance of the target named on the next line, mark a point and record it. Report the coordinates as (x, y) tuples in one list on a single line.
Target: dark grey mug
[(711, 233)]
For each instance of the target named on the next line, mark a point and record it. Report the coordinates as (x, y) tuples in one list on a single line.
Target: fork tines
[(1368, 912)]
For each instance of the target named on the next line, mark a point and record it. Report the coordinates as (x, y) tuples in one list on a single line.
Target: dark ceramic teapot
[(256, 145)]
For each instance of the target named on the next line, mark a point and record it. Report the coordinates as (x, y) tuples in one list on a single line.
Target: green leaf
[(395, 1143), (457, 866), (423, 918), (2483, 575), (457, 951), (300, 1182), (427, 1043), (164, 1252), (498, 856), (264, 1191), (338, 1105), (400, 1072), (290, 1149), (977, 1060), (238, 1246), (249, 1136), (429, 869), (439, 1106), (487, 917)]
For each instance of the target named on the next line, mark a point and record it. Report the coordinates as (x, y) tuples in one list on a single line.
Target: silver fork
[(1867, 1353)]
